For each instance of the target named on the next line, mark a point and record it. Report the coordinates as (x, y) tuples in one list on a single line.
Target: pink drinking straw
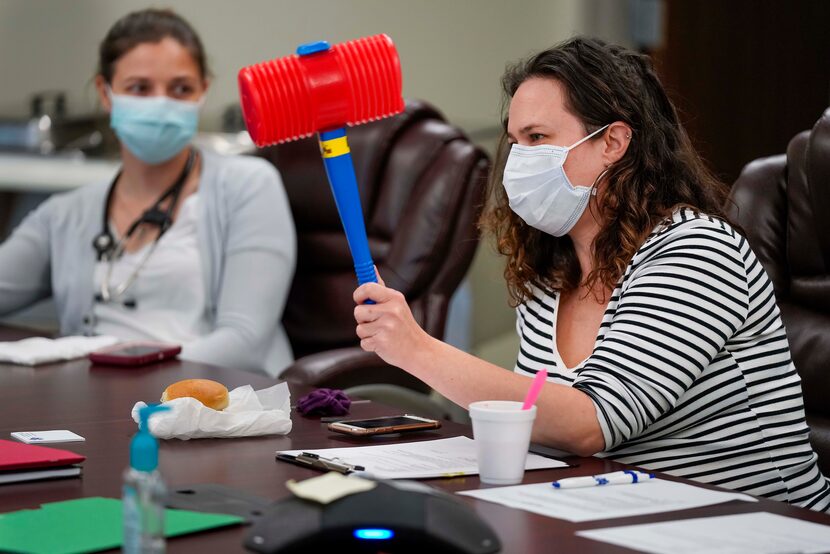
[(535, 389)]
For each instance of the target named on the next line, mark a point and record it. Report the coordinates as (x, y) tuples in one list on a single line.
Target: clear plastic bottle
[(144, 492)]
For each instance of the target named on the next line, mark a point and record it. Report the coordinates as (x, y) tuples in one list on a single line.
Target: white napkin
[(249, 413), (39, 350)]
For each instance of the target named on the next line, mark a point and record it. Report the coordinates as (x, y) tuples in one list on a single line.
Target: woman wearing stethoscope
[(183, 245)]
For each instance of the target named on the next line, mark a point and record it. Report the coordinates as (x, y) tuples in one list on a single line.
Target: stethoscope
[(109, 250)]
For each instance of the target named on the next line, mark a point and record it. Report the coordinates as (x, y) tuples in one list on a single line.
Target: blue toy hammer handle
[(338, 161)]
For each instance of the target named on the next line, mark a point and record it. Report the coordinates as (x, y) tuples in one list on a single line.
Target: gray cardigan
[(247, 246)]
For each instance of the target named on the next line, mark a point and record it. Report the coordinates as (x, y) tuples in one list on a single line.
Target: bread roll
[(210, 393)]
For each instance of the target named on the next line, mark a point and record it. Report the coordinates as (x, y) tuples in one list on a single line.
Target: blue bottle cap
[(144, 448)]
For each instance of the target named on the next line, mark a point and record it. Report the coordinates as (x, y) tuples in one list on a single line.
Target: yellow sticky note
[(329, 487)]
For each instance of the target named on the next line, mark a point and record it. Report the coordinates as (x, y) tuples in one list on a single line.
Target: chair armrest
[(348, 367)]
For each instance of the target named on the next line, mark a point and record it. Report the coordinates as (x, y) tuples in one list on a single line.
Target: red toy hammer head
[(321, 89)]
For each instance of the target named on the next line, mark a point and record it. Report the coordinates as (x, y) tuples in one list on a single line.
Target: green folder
[(88, 525)]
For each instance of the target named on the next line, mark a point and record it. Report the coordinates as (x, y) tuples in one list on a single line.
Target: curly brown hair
[(659, 172)]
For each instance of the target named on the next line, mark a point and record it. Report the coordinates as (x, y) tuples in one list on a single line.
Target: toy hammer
[(323, 89)]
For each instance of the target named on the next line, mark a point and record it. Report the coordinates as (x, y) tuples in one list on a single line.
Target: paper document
[(605, 502), (756, 533), (420, 460)]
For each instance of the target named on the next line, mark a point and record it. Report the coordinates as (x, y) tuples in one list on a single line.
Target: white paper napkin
[(39, 350), (249, 413)]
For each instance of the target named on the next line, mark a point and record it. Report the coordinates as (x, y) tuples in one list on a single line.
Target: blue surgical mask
[(540, 192), (153, 128)]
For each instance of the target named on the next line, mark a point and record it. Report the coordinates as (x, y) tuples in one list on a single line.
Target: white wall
[(452, 51)]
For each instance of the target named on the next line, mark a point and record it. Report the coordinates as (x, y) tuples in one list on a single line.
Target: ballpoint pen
[(315, 461), (616, 478)]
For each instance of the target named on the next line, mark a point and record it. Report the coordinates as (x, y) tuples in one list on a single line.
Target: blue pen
[(616, 478)]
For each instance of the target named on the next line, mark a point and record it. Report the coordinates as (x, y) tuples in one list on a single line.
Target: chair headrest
[(818, 179), (808, 199)]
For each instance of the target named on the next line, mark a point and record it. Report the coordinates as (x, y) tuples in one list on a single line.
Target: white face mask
[(538, 189)]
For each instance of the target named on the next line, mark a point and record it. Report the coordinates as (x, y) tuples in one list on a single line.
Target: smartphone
[(380, 425), (135, 353)]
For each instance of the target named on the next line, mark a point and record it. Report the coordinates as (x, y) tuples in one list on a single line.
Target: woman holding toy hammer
[(656, 322)]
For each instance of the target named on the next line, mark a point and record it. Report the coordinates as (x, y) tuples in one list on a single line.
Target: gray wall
[(452, 51)]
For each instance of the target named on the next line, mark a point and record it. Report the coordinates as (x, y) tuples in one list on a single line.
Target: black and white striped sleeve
[(679, 304)]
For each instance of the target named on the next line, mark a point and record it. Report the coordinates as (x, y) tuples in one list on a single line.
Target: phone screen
[(383, 422)]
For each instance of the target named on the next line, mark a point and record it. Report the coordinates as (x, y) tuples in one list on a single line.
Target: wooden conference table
[(95, 402)]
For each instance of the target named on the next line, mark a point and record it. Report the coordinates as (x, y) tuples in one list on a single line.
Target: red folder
[(18, 455)]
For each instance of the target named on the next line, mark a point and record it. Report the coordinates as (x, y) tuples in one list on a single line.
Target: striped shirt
[(691, 372)]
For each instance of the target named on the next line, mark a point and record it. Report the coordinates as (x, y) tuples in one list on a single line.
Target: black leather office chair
[(783, 202), (422, 187)]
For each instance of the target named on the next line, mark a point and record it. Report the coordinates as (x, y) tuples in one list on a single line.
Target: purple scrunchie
[(324, 402)]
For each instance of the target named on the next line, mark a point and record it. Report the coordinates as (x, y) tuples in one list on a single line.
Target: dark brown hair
[(151, 25), (660, 170)]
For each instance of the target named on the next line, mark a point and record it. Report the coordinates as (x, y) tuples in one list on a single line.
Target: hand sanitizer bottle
[(144, 491)]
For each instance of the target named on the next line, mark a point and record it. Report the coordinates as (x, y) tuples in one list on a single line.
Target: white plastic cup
[(502, 434)]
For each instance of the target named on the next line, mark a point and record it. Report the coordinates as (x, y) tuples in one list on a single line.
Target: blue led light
[(374, 534)]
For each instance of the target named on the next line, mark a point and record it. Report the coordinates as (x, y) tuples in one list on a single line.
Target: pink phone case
[(121, 354)]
